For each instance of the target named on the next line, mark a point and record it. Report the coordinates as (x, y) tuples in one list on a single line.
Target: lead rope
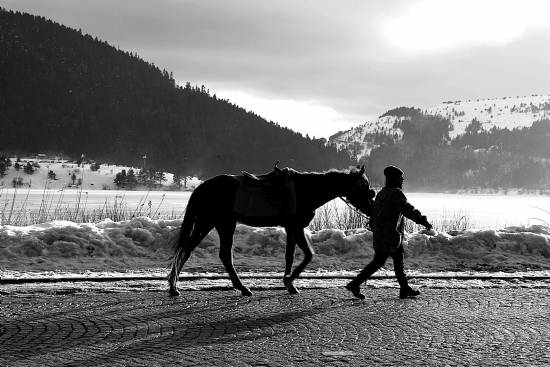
[(350, 205), (361, 214)]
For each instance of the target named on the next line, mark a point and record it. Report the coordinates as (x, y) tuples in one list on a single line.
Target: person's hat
[(392, 172)]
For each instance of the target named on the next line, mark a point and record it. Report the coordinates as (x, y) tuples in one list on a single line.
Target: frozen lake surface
[(486, 211)]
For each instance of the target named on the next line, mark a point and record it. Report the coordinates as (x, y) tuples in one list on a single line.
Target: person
[(388, 225)]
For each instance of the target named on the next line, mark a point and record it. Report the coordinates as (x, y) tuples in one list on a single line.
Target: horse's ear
[(362, 169)]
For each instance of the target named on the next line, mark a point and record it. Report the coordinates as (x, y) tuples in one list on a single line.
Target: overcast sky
[(319, 67)]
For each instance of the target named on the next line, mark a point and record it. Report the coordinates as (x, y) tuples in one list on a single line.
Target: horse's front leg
[(226, 256), (305, 246), (289, 260)]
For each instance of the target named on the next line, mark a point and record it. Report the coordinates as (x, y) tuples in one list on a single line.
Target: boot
[(408, 292), (355, 289)]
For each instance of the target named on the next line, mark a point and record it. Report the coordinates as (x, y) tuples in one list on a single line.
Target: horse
[(211, 205)]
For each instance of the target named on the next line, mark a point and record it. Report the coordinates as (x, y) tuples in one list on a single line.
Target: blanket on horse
[(266, 198)]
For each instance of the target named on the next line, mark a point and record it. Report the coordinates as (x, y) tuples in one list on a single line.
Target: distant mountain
[(68, 94), (488, 144)]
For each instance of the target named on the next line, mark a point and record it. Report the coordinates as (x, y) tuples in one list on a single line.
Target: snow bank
[(142, 242)]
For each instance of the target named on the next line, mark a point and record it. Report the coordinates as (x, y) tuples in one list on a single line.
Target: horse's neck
[(315, 190)]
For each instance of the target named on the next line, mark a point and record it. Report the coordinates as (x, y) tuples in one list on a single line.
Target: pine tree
[(160, 177), (29, 169), (121, 179), (131, 180), (3, 168), (151, 173), (177, 181)]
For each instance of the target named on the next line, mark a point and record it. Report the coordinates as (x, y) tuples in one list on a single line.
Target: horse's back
[(217, 194)]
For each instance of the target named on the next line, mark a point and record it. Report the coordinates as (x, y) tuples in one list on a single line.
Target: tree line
[(497, 159)]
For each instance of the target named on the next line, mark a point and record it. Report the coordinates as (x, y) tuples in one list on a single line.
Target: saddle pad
[(252, 201)]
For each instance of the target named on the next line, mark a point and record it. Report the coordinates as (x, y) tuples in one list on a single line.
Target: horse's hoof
[(173, 292), (246, 292), (292, 289)]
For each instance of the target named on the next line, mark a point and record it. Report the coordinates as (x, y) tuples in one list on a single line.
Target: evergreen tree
[(131, 180), (151, 177), (142, 177), (3, 168), (29, 169), (177, 181), (160, 177), (7, 161), (182, 173), (121, 179), (79, 160)]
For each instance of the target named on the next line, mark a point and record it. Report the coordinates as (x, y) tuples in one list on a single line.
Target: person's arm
[(409, 211)]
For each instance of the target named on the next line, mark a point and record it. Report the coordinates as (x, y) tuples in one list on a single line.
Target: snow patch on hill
[(506, 112)]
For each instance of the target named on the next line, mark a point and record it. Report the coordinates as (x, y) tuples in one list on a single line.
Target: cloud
[(435, 26), (324, 66)]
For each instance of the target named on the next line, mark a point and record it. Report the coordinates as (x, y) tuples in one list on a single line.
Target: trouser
[(378, 261)]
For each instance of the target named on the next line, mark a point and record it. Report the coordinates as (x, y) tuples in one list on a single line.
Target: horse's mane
[(327, 172)]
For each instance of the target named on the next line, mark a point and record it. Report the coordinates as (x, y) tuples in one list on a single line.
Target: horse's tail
[(179, 246)]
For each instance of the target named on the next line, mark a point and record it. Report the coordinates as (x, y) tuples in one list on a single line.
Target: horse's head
[(361, 196)]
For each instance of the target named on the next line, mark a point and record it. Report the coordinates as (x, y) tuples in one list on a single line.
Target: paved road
[(502, 326)]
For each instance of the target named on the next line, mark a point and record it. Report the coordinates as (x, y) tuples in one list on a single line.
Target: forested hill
[(479, 145), (65, 93)]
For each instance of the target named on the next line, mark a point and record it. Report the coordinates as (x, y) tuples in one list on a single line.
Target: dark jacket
[(387, 222)]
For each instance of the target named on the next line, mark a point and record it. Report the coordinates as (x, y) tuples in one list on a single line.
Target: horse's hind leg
[(289, 260), (303, 243), (226, 232), (200, 231)]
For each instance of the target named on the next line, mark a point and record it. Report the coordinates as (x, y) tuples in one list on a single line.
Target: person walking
[(388, 226)]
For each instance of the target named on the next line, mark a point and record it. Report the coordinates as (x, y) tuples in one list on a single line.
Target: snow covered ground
[(91, 180), (141, 246)]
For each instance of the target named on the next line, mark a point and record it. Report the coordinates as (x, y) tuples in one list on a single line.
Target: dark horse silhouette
[(211, 206)]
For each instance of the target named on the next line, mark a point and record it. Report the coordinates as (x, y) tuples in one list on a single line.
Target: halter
[(345, 200), (352, 207)]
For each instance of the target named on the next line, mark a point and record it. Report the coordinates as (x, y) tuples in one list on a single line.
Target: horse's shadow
[(209, 327)]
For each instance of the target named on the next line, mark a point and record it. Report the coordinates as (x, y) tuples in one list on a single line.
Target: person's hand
[(425, 223)]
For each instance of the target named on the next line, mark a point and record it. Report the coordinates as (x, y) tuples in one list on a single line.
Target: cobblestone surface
[(504, 326)]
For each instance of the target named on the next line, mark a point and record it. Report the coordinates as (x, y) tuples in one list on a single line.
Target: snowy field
[(142, 244)]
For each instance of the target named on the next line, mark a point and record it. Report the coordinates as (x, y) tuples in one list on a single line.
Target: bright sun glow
[(298, 116), (435, 25)]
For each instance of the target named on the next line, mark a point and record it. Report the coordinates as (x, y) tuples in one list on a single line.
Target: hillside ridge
[(498, 143), (72, 94)]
